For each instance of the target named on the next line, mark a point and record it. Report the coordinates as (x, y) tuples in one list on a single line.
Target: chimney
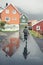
[(6, 4)]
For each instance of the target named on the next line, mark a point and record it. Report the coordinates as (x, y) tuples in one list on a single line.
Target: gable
[(11, 7), (39, 23)]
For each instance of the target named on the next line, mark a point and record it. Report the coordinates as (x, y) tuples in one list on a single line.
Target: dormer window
[(23, 17), (7, 11), (14, 12)]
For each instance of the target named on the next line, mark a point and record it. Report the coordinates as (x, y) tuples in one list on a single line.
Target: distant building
[(23, 19), (11, 15), (32, 23), (38, 26)]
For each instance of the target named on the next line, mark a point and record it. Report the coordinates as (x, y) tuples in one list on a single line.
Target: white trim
[(37, 27), (11, 27), (14, 12), (38, 22), (14, 7), (7, 11)]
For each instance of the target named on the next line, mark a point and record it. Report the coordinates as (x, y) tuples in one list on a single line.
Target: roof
[(13, 7), (38, 22), (32, 20)]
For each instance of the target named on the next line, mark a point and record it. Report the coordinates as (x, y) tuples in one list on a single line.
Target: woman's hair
[(25, 26)]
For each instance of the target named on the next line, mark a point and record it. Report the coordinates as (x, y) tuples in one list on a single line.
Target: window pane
[(14, 11), (37, 27), (7, 19), (7, 11)]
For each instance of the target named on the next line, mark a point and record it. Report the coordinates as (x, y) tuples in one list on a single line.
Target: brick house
[(11, 15)]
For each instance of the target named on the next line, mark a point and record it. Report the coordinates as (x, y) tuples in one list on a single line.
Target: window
[(7, 19), (14, 11), (7, 11), (14, 18), (37, 27), (23, 20), (23, 17)]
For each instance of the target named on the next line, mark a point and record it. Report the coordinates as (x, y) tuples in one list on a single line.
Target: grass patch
[(36, 34), (22, 26)]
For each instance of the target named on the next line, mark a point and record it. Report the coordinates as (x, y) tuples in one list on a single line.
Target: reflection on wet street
[(12, 48), (9, 42)]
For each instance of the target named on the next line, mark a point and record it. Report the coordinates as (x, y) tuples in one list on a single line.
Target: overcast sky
[(33, 6)]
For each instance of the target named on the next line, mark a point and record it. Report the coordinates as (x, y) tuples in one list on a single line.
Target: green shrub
[(2, 23)]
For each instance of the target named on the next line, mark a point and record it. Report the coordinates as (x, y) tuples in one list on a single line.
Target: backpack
[(25, 32)]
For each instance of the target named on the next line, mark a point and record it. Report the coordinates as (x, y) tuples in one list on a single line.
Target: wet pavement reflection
[(14, 51)]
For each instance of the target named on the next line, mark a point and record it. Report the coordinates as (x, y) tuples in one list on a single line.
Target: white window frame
[(7, 11), (37, 27), (14, 12)]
